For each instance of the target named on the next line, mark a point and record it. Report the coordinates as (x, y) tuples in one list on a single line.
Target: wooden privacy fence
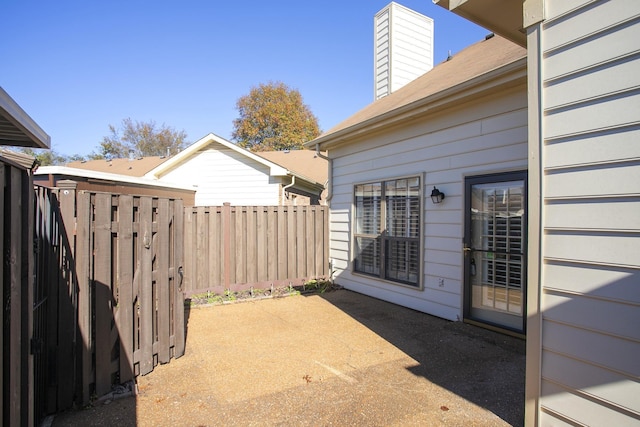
[(115, 303), (234, 248)]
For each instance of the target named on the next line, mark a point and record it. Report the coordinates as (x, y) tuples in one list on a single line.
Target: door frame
[(469, 181)]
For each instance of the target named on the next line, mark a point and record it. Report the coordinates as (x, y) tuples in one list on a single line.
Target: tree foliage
[(46, 157), (273, 117), (140, 139)]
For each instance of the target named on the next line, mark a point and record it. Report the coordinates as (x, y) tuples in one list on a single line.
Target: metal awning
[(17, 128)]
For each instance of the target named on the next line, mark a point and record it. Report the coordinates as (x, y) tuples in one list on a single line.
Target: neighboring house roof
[(275, 169), (454, 80), (301, 162), (17, 128), (131, 167), (105, 176)]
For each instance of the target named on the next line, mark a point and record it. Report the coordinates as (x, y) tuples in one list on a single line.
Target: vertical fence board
[(162, 284), (146, 288), (251, 238), (261, 250), (226, 253), (215, 276), (292, 241), (26, 276), (83, 263), (189, 241), (178, 296), (125, 274), (66, 293), (12, 262), (301, 243), (320, 241), (201, 235), (272, 243), (49, 273), (310, 241), (283, 244), (102, 288), (41, 309), (240, 244)]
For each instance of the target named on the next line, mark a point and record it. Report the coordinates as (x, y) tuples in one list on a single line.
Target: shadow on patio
[(339, 358)]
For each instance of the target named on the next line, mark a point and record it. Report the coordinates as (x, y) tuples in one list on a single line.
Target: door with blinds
[(495, 250)]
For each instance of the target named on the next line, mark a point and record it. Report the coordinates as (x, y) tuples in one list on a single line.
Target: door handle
[(466, 249)]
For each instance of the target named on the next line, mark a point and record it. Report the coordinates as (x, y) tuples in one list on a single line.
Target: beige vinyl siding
[(486, 136), (590, 276), (224, 175)]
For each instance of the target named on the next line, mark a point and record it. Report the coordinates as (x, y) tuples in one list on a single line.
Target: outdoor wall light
[(436, 195)]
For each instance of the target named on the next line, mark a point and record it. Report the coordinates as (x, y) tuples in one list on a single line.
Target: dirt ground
[(332, 359)]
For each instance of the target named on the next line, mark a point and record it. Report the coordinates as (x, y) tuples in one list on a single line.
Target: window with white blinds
[(387, 230)]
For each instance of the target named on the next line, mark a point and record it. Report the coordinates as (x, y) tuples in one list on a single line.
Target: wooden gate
[(114, 299)]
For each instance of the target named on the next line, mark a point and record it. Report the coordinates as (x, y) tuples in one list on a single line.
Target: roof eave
[(17, 128), (504, 76), (308, 181), (500, 16)]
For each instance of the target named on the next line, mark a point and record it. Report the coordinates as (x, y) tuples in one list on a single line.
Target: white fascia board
[(23, 122), (114, 177), (184, 155)]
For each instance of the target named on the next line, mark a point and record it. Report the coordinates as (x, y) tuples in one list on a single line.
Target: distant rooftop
[(301, 162), (130, 167)]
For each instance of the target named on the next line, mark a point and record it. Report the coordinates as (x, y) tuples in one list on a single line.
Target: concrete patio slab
[(338, 358)]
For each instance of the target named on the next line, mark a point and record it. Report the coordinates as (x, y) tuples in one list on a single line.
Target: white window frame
[(384, 240)]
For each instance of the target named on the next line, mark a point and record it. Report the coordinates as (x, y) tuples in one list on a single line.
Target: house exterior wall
[(586, 362), (484, 136), (224, 175), (403, 47)]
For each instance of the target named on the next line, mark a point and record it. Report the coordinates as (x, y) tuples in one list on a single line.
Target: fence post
[(66, 294)]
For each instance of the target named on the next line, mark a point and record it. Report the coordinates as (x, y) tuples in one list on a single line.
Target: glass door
[(494, 247)]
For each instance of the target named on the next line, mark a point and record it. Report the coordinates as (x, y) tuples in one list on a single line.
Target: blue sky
[(77, 66)]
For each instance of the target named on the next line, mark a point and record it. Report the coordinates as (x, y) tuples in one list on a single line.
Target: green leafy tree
[(273, 117), (140, 139), (46, 157)]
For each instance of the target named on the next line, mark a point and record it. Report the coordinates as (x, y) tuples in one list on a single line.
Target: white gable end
[(225, 175)]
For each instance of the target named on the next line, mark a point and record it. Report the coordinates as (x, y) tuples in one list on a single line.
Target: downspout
[(284, 189), (329, 180), (329, 196)]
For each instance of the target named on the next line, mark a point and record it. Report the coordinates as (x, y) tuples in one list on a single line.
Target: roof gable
[(208, 141)]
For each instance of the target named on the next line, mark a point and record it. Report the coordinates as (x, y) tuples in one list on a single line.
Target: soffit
[(504, 17), (17, 128)]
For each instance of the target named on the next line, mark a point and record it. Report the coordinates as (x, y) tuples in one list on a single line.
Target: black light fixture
[(436, 195)]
